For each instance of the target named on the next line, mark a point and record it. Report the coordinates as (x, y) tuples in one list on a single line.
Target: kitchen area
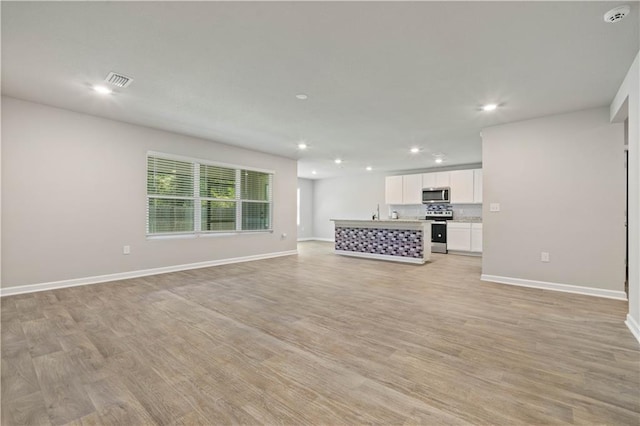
[(451, 199), (436, 212)]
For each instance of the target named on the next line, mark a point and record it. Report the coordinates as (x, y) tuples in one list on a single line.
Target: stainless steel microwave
[(436, 195)]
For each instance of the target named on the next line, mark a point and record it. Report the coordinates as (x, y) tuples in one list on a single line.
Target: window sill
[(205, 235)]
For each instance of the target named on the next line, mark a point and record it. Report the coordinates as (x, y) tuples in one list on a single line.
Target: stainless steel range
[(439, 216)]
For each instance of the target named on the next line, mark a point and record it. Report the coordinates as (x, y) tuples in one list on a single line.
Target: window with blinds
[(170, 201), (195, 197)]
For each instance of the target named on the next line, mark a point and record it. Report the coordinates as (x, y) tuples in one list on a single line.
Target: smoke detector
[(118, 80), (616, 14)]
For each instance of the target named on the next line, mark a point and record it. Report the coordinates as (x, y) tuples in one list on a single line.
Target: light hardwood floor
[(317, 339)]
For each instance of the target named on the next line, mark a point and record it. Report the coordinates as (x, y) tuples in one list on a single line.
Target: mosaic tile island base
[(406, 241)]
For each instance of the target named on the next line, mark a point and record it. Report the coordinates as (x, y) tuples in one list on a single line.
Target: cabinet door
[(477, 186), (393, 190), (412, 189), (459, 236), (476, 237), (443, 179), (461, 186), (429, 180)]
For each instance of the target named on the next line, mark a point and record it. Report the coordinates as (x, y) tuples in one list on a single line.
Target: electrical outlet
[(126, 250), (494, 207), (544, 256)]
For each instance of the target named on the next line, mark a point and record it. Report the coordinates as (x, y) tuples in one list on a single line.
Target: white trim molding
[(329, 240), (633, 327), (32, 288), (566, 288), (306, 239), (415, 260)]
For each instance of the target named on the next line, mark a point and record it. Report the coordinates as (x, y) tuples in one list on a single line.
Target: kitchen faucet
[(376, 214)]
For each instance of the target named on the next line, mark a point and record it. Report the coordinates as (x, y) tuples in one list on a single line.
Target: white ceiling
[(381, 77)]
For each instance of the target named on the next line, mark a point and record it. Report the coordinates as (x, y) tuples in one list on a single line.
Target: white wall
[(349, 197), (305, 228), (560, 184), (626, 105), (74, 192)]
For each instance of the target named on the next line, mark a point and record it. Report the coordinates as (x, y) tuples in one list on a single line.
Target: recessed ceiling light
[(302, 145), (102, 90), (302, 96), (415, 150), (337, 161), (438, 160), (369, 168), (313, 172), (489, 107)]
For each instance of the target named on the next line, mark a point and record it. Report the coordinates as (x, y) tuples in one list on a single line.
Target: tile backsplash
[(416, 211)]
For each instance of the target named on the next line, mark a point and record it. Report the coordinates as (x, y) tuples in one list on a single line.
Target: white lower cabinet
[(464, 237), (459, 236), (476, 237)]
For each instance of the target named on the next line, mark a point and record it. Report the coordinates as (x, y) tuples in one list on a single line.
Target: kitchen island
[(398, 240)]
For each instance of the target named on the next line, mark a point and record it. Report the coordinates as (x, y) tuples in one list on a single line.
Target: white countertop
[(471, 220), (381, 221)]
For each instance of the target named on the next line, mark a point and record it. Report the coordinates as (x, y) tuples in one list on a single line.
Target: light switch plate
[(494, 207)]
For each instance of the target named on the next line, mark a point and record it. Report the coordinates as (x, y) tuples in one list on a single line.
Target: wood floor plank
[(41, 335), (317, 339), (28, 410), (210, 406), (116, 404), (62, 391), (18, 378)]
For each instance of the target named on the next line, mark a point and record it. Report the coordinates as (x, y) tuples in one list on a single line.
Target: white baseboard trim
[(306, 239), (32, 288), (566, 288), (633, 326), (329, 240), (466, 253), (402, 259)]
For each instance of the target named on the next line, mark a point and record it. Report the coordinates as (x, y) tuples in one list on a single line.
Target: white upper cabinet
[(477, 186), (466, 186), (429, 180), (412, 189), (461, 186), (393, 190), (443, 179), (436, 180)]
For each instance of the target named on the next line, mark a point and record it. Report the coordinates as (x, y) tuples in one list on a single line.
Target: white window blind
[(218, 204), (170, 196), (227, 199), (256, 200)]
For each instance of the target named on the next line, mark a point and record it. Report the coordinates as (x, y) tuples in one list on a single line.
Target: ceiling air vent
[(616, 14), (118, 80)]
